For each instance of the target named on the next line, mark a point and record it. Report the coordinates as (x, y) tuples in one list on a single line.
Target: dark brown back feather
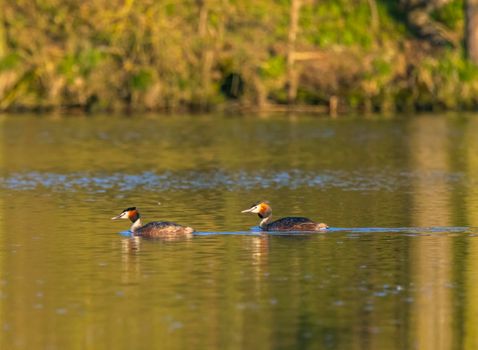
[(294, 224), (158, 229)]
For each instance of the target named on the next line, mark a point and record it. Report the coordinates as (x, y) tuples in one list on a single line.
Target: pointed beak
[(116, 217), (248, 210)]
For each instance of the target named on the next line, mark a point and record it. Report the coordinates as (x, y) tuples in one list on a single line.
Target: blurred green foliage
[(451, 14), (147, 55)]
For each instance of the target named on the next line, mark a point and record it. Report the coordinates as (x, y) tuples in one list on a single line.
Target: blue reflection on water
[(256, 231), (127, 233)]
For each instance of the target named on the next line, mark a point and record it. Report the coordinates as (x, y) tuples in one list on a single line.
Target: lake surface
[(397, 270)]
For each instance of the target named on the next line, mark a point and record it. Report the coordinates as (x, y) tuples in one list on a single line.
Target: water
[(397, 270)]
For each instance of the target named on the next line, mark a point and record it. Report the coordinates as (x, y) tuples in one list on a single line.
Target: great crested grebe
[(155, 229), (264, 211)]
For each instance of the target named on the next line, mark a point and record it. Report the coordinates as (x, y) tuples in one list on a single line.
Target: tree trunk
[(471, 35), (203, 14), (3, 40), (291, 71), (206, 54), (374, 16)]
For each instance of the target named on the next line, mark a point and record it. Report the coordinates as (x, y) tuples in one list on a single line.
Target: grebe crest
[(261, 208), (130, 213), (264, 211)]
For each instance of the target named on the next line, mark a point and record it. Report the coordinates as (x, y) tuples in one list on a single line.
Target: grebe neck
[(136, 225), (265, 221)]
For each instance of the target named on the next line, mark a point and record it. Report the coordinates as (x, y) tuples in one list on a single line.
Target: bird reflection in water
[(131, 267), (259, 246)]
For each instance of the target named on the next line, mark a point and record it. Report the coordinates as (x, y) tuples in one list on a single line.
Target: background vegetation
[(374, 55)]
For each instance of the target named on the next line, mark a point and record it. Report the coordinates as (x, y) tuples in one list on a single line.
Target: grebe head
[(129, 213), (262, 209)]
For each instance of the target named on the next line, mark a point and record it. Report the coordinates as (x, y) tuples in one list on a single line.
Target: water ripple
[(196, 180)]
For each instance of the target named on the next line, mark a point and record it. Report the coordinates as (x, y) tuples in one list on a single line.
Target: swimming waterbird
[(155, 229), (264, 211)]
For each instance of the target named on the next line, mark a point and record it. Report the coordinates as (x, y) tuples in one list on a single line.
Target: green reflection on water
[(68, 280)]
